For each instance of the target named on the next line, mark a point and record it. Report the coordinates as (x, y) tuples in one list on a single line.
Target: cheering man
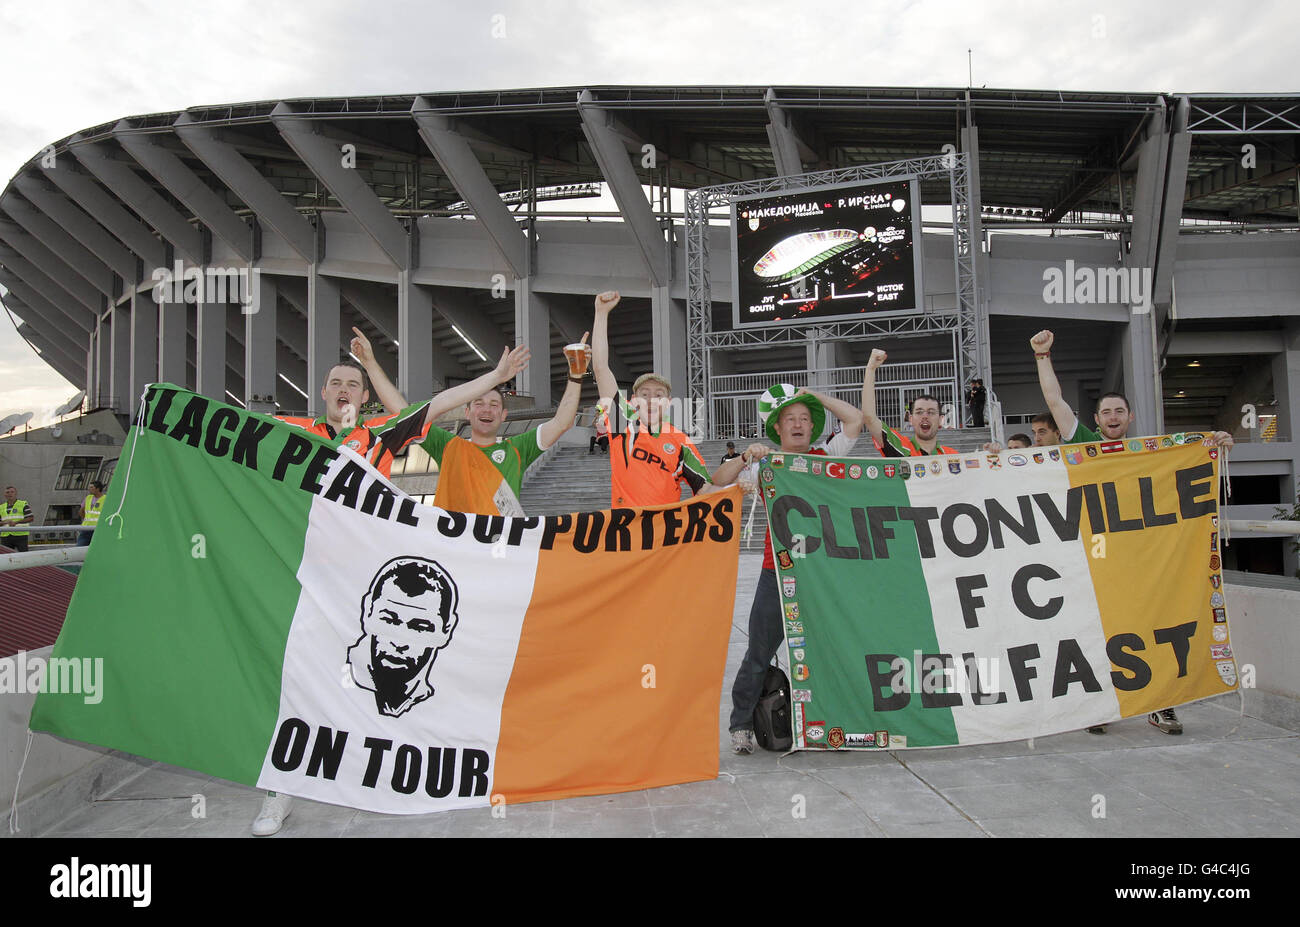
[(924, 417)]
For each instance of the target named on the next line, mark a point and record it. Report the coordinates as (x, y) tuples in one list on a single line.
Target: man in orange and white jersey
[(378, 439), (649, 457)]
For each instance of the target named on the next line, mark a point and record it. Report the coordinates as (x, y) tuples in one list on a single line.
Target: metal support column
[(173, 346), (323, 349), (414, 324), (144, 347), (210, 350), (119, 362), (533, 328), (260, 380)]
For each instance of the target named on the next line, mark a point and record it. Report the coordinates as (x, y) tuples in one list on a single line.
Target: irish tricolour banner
[(991, 597), (271, 610)]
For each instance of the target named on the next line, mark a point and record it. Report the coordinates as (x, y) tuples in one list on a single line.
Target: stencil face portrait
[(407, 616)]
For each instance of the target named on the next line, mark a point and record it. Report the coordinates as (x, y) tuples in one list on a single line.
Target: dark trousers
[(765, 638), (602, 440), (18, 543)]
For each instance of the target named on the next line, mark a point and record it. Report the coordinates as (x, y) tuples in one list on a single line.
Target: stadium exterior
[(425, 220)]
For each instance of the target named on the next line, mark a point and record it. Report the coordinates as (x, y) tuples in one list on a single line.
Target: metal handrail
[(902, 373), (36, 558), (1263, 526)]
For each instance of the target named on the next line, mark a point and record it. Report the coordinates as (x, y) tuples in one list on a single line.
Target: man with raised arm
[(795, 420), (924, 416), (1113, 418), (378, 439), (346, 389), (388, 394), (648, 456), (484, 474)]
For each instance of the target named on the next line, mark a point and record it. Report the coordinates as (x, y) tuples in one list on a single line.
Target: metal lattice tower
[(962, 321)]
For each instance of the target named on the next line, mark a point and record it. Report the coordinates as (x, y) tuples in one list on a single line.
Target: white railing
[(1263, 526), (903, 373), (993, 418), (735, 396), (53, 529), (36, 558)]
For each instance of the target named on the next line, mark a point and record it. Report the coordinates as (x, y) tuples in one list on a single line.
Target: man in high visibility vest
[(15, 511), (90, 507)]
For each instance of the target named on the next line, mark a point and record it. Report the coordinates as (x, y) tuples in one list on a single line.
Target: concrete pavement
[(1226, 776)]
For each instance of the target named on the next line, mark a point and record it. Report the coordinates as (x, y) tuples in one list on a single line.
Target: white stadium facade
[(447, 225)]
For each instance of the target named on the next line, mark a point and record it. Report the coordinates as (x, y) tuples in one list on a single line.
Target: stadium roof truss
[(1053, 152), (138, 187)]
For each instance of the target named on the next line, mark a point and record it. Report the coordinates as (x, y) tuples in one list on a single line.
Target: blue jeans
[(83, 538), (765, 638)]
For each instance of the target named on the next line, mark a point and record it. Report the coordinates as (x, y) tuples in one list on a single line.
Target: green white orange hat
[(777, 397)]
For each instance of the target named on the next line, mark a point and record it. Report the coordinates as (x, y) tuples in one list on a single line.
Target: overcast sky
[(68, 66)]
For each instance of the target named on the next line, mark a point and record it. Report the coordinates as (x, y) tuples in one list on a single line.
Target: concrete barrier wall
[(1264, 629)]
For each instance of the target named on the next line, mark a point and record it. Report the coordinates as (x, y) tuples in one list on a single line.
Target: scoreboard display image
[(838, 252)]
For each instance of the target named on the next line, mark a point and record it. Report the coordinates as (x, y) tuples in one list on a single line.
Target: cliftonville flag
[(978, 598), (271, 610)]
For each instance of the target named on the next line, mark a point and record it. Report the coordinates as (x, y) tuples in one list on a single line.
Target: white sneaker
[(274, 810), (1166, 721)]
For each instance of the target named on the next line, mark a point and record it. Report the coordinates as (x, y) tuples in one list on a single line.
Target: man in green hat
[(796, 420)]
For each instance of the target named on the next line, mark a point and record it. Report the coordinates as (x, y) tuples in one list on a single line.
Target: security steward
[(90, 507), (13, 512)]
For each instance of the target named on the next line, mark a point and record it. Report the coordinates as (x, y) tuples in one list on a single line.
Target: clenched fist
[(606, 301), (1042, 342), (877, 359)]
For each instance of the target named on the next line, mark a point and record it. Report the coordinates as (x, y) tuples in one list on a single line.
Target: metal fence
[(735, 396)]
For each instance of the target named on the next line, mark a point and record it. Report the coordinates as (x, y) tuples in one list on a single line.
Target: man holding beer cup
[(483, 475), (649, 457)]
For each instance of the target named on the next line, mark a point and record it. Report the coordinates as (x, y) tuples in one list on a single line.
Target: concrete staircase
[(571, 480), (568, 479)]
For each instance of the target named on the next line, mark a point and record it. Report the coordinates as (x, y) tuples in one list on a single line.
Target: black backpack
[(772, 719)]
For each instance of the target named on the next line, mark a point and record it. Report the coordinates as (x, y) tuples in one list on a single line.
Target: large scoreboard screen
[(840, 252)]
